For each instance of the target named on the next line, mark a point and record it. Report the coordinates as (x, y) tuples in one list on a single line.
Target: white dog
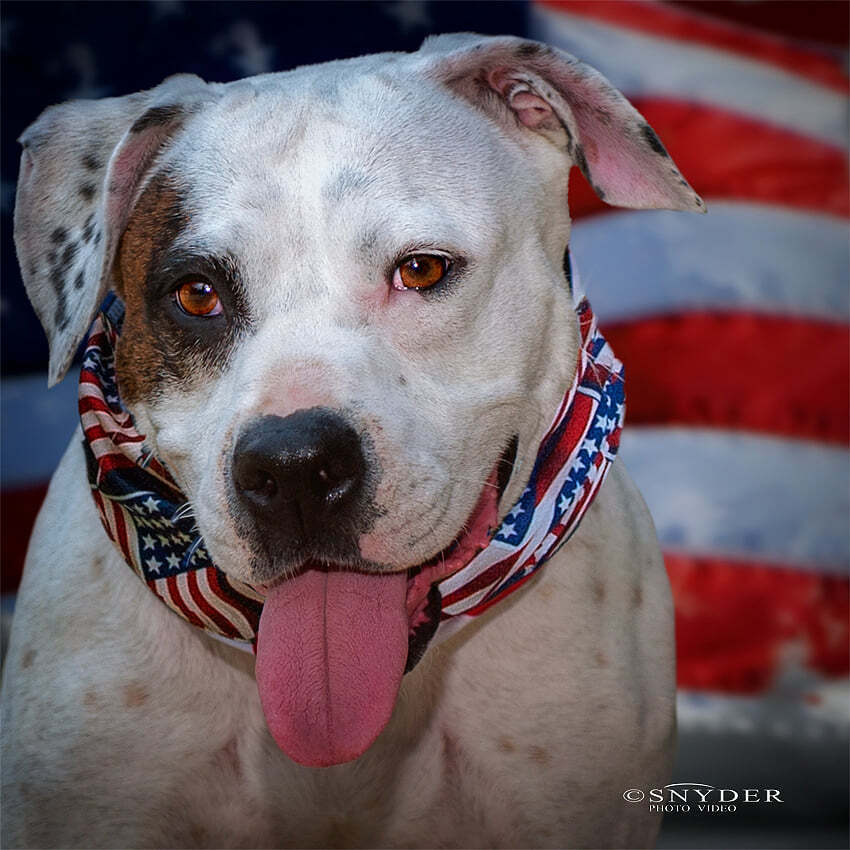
[(347, 339)]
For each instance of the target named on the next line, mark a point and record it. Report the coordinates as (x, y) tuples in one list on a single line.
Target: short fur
[(297, 193)]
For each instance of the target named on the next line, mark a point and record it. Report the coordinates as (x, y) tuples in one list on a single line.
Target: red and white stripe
[(739, 443)]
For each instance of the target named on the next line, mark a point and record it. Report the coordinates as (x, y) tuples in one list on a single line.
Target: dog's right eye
[(198, 298), (420, 271)]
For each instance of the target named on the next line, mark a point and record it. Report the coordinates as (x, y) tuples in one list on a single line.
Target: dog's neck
[(149, 518)]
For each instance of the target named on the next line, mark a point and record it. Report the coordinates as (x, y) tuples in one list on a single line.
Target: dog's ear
[(528, 86), (82, 165)]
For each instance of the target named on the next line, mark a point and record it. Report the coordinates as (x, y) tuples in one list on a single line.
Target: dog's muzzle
[(300, 481)]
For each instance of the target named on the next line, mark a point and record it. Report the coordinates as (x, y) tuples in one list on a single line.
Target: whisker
[(185, 510)]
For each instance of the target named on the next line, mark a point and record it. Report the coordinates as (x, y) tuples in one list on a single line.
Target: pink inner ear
[(531, 109)]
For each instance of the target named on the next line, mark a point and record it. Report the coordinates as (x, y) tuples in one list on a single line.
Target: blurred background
[(733, 328)]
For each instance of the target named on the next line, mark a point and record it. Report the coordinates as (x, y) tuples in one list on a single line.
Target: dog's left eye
[(198, 298), (420, 271)]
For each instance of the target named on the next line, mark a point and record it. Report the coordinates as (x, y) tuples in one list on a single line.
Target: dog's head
[(346, 312)]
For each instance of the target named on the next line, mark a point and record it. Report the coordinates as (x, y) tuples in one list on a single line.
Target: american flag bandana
[(149, 519)]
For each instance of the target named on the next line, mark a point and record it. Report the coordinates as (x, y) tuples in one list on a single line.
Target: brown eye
[(420, 272), (198, 298)]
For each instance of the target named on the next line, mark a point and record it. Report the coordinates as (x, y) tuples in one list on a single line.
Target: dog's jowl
[(350, 560)]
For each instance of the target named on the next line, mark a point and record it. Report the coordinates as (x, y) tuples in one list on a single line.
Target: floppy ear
[(531, 87), (82, 165)]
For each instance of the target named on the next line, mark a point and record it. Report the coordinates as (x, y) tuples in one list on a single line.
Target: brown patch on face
[(160, 344), (506, 744), (539, 755), (90, 699), (154, 224), (134, 695), (27, 660), (601, 659)]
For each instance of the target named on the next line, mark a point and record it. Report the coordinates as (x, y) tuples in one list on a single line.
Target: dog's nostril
[(257, 484)]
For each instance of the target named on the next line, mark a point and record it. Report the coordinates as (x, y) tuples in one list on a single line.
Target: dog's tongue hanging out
[(332, 647), (331, 651)]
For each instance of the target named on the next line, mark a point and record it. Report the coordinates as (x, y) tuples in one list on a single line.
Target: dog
[(344, 328)]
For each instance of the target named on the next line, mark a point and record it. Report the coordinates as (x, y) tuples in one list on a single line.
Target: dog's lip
[(498, 481), (472, 537)]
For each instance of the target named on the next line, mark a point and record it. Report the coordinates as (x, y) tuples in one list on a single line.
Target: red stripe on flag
[(232, 597), (733, 621), (777, 375), (810, 20), (491, 575), (177, 599), (575, 427), (483, 606), (219, 619), (674, 23), (121, 530), (18, 510), (726, 156)]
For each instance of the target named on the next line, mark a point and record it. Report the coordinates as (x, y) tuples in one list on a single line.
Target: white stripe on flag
[(742, 496), (222, 606), (641, 64), (772, 260), (182, 581)]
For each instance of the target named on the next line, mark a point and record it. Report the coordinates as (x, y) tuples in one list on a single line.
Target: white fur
[(123, 725)]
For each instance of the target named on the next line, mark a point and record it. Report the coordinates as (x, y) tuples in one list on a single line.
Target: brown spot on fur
[(227, 758), (538, 755), (601, 659), (90, 699), (526, 51), (637, 596), (154, 224), (69, 253), (27, 660), (449, 746), (598, 590), (653, 141), (342, 832), (199, 835), (97, 567), (156, 116), (160, 345), (547, 592), (506, 744), (581, 160), (91, 162), (134, 695)]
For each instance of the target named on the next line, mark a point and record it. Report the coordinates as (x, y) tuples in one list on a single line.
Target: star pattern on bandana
[(148, 517)]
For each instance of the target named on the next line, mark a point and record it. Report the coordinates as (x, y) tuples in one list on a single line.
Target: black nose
[(300, 475)]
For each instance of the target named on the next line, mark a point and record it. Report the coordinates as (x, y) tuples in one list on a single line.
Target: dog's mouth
[(333, 644)]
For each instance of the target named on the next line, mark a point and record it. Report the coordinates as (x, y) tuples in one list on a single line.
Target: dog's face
[(315, 222), (346, 312)]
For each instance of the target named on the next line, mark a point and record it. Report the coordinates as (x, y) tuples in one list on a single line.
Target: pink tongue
[(331, 651)]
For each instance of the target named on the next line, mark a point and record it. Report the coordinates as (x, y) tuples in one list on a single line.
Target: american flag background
[(733, 328)]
